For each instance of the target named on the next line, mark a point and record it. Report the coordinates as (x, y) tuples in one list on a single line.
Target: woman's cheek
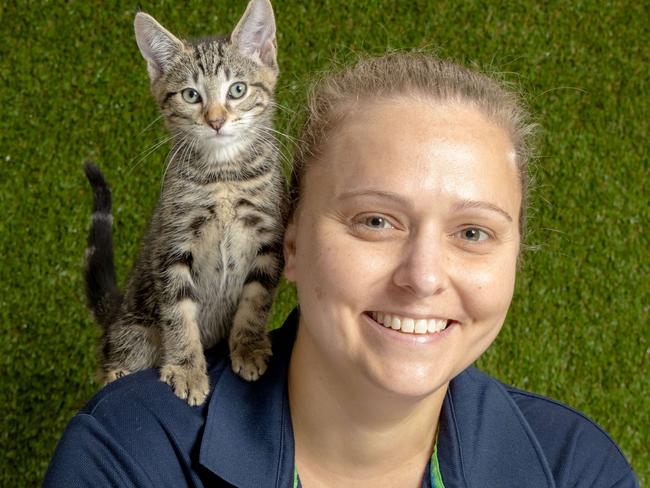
[(347, 266), (488, 286)]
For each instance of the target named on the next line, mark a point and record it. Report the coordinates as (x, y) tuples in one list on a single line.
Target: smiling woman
[(409, 211), (410, 196), (383, 228)]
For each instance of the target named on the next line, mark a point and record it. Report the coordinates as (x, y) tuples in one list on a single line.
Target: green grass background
[(73, 86)]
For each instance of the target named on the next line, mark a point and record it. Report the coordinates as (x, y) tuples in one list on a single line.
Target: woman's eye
[(473, 234), (237, 90), (190, 95), (377, 222)]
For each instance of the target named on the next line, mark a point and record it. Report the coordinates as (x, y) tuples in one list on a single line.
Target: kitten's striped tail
[(101, 284)]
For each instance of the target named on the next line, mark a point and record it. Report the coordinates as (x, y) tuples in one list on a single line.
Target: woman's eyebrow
[(462, 205), (374, 193), (482, 205)]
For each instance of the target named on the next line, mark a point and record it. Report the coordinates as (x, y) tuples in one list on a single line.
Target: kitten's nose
[(217, 123)]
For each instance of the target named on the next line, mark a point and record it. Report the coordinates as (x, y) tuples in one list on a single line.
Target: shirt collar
[(483, 438), (248, 439)]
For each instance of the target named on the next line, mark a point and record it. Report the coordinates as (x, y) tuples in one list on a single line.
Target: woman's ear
[(289, 249)]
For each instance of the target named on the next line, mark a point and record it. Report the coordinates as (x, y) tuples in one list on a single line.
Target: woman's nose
[(422, 270)]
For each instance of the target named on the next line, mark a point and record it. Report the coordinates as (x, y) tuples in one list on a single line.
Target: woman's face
[(408, 224)]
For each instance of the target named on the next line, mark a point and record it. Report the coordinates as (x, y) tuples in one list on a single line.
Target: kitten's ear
[(157, 45), (254, 35)]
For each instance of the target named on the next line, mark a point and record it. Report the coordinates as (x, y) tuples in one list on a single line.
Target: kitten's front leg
[(250, 346), (183, 364)]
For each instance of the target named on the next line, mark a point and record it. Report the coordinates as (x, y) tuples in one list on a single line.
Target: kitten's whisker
[(171, 158), (281, 154), (185, 157), (282, 107), (155, 145), (152, 123), (285, 149), (147, 152), (287, 145), (275, 131), (189, 153)]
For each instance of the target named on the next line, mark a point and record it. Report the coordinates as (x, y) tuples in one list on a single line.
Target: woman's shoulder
[(578, 451), (139, 428), (137, 432), (145, 390), (549, 417)]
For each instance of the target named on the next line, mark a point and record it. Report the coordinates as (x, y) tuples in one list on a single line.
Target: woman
[(410, 196)]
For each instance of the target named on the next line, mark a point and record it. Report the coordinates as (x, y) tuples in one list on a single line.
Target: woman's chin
[(408, 382)]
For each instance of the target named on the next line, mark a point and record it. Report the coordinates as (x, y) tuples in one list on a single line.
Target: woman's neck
[(348, 432)]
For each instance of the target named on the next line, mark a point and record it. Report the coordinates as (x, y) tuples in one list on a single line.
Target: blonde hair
[(410, 74)]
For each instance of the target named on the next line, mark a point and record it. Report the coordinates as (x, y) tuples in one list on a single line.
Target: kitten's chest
[(223, 241)]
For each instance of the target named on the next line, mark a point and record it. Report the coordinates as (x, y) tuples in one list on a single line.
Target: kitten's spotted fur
[(211, 260)]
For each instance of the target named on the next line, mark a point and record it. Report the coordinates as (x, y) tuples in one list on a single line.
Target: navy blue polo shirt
[(137, 433)]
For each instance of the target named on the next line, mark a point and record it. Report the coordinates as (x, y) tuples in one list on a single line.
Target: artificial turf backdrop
[(74, 86)]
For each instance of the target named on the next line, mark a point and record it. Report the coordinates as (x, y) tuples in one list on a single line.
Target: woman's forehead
[(398, 128), (418, 143)]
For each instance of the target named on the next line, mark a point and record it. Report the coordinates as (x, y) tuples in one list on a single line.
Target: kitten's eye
[(190, 95), (237, 90), (473, 234)]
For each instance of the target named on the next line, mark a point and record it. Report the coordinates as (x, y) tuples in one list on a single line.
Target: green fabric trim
[(436, 475)]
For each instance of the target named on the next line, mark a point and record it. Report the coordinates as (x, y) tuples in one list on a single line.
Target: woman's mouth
[(409, 325)]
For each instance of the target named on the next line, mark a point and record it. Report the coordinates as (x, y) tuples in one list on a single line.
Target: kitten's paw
[(190, 384), (249, 360), (114, 374)]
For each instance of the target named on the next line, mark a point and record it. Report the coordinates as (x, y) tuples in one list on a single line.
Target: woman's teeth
[(409, 325)]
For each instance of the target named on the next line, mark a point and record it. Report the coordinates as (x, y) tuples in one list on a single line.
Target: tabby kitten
[(212, 258)]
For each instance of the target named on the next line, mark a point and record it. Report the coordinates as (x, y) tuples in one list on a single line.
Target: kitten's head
[(216, 93)]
